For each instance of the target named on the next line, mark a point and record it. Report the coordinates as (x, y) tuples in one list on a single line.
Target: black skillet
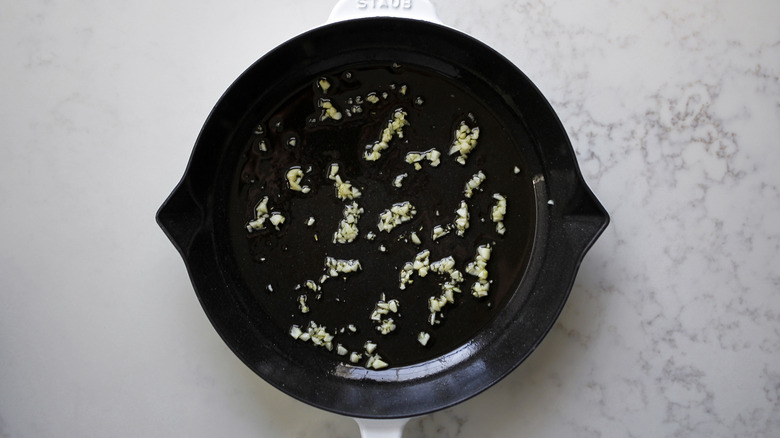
[(566, 220)]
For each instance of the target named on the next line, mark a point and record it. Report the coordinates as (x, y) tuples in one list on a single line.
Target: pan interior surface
[(272, 121), (284, 267)]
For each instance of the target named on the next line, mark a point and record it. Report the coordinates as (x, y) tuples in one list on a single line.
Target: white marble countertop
[(673, 325)]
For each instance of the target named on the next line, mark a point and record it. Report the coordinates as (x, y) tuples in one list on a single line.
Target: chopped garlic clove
[(295, 332), (324, 85)]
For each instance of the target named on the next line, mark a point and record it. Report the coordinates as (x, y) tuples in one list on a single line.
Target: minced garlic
[(477, 268), (334, 267), (376, 362), (317, 334), (372, 98), (329, 111), (385, 315), (432, 155), (386, 326), (498, 211), (396, 215), (420, 265), (311, 284), (383, 308), (462, 220), (294, 177), (394, 128), (465, 141), (348, 230), (445, 266), (344, 189), (276, 219), (439, 231), (263, 213), (473, 184), (324, 85), (399, 180), (302, 304)]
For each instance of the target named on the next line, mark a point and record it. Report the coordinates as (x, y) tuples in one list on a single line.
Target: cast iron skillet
[(195, 218)]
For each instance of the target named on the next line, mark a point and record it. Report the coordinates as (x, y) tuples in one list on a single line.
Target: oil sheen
[(298, 133)]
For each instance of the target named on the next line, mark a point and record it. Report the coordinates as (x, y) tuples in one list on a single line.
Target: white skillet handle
[(416, 9), (381, 428)]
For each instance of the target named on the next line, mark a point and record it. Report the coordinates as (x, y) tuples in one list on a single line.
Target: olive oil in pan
[(336, 119)]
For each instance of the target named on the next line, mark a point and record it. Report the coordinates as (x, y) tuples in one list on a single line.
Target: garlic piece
[(294, 177), (324, 85), (399, 180), (302, 304)]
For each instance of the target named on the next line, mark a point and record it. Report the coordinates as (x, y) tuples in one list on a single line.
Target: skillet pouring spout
[(180, 217)]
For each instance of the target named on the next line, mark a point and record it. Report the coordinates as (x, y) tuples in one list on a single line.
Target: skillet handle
[(381, 428), (415, 9)]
